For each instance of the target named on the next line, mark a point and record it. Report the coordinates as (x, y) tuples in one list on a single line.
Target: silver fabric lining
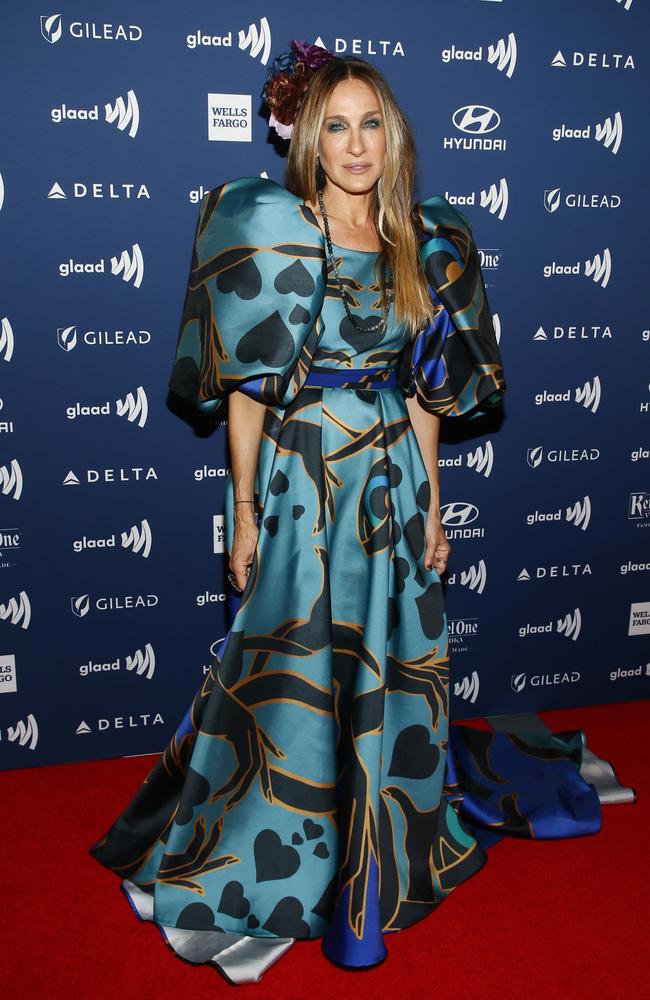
[(240, 957)]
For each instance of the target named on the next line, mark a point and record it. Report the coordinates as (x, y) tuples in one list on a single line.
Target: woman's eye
[(335, 126), (373, 122)]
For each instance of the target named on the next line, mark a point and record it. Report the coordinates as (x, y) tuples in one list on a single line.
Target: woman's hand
[(437, 547), (244, 543)]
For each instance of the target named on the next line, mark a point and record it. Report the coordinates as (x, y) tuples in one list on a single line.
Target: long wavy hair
[(392, 204)]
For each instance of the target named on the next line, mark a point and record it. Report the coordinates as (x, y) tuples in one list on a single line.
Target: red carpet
[(554, 919)]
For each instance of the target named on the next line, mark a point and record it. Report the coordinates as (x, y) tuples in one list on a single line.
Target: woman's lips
[(357, 168)]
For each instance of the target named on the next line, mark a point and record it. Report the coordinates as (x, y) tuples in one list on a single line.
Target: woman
[(309, 791)]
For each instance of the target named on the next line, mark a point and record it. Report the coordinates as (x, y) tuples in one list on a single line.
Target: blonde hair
[(392, 206)]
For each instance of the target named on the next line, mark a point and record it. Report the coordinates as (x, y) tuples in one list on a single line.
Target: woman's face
[(352, 142)]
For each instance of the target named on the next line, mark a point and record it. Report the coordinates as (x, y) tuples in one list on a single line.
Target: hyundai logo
[(476, 119)]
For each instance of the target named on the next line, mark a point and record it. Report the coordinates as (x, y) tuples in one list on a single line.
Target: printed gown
[(315, 788)]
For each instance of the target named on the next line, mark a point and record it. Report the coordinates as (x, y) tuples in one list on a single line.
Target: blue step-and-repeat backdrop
[(531, 117)]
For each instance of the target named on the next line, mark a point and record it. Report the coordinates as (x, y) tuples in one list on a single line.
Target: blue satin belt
[(352, 378)]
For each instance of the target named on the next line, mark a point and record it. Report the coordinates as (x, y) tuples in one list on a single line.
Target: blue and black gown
[(314, 787)]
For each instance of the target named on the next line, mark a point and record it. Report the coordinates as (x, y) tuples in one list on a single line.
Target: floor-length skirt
[(314, 787)]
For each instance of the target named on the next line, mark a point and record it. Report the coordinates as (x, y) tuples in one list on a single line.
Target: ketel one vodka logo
[(639, 509), (467, 688), (142, 663), (11, 480), (609, 133), (598, 268), (134, 407), (588, 395), (569, 626), (502, 55), (124, 114), (24, 733), (129, 266), (17, 611), (137, 539)]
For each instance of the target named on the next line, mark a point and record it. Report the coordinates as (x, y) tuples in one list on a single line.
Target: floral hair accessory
[(287, 80)]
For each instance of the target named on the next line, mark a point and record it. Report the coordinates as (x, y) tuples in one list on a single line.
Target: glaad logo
[(124, 114), (481, 459), (137, 539), (474, 578), (639, 454), (626, 4), (142, 663), (553, 199), (19, 612), (639, 619), (134, 407), (229, 118), (475, 120), (552, 572), (494, 198), (81, 606), (52, 30), (456, 517), (621, 672), (99, 191), (579, 515), (8, 680), (639, 509), (67, 338), (121, 722), (609, 133), (257, 40), (518, 681), (11, 480), (468, 687), (6, 340), (598, 268), (588, 395), (24, 734), (594, 60), (503, 54), (569, 626), (630, 567), (130, 265)]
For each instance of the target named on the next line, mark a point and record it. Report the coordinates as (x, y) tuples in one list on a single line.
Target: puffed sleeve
[(255, 290), (454, 366)]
